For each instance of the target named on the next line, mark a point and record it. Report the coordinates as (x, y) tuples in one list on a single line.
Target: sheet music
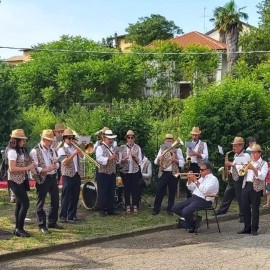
[(220, 150), (190, 145), (84, 140)]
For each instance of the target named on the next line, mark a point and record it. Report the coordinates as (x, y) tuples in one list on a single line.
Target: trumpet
[(185, 175), (244, 170), (90, 159)]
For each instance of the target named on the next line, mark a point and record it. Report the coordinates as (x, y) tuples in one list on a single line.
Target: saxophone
[(226, 172)]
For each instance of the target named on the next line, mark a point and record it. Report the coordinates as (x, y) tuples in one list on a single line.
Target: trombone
[(90, 159)]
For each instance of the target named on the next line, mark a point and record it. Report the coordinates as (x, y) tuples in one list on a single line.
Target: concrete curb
[(86, 242)]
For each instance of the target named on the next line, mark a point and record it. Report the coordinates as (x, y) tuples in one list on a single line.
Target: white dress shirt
[(180, 158), (204, 153), (208, 185), (70, 149), (99, 154), (261, 173)]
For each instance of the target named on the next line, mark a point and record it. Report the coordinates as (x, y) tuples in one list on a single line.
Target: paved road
[(172, 249)]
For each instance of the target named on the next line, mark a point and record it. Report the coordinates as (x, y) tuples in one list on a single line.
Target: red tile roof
[(199, 38)]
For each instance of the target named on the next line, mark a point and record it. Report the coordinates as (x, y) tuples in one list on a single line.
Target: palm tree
[(227, 20)]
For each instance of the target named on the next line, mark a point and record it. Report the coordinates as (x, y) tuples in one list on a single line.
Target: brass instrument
[(185, 175), (90, 159), (167, 155), (244, 170), (225, 170)]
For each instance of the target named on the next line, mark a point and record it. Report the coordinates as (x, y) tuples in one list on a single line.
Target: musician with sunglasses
[(71, 176), (45, 174), (129, 160)]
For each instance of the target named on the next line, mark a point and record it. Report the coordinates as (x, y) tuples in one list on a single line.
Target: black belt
[(51, 175), (167, 172)]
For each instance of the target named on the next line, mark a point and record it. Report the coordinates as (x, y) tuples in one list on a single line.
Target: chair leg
[(217, 221), (206, 216), (196, 228)]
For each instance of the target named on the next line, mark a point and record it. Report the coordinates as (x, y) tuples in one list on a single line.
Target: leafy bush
[(233, 108)]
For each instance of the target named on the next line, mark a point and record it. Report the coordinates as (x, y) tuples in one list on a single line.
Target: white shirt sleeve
[(181, 160), (158, 155), (33, 155), (12, 154), (99, 156), (263, 172), (205, 152)]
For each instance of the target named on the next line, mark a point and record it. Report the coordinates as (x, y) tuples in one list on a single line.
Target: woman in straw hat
[(130, 159), (18, 163)]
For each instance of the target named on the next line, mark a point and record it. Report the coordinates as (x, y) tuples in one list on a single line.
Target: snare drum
[(89, 195)]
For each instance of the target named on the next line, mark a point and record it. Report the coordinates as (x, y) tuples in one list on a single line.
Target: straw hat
[(168, 136), (130, 133), (101, 131), (68, 132), (18, 134), (109, 134), (195, 131), (238, 140), (256, 147), (47, 134), (59, 127)]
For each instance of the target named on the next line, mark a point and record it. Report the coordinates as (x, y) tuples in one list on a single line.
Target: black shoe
[(154, 212), (244, 231), (241, 220), (220, 213), (56, 226), (44, 230), (62, 219), (170, 213), (21, 233), (74, 219), (192, 230), (255, 233)]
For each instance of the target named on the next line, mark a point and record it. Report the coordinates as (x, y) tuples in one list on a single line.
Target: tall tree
[(227, 20), (148, 29)]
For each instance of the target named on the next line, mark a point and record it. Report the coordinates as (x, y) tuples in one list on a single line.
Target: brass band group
[(245, 173)]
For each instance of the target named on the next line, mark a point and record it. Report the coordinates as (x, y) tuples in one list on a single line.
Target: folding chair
[(212, 208)]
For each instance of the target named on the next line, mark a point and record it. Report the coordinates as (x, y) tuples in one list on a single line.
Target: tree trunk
[(232, 37)]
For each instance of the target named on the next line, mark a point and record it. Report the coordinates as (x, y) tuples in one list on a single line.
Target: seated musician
[(207, 184), (167, 175)]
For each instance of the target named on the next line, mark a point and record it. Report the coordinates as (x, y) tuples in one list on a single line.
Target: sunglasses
[(202, 170), (130, 137), (70, 138)]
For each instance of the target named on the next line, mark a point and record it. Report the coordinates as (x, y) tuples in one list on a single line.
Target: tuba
[(167, 153)]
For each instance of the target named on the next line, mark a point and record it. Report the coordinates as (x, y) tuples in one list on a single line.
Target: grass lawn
[(90, 225)]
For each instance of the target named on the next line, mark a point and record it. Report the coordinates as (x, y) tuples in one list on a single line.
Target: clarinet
[(26, 154)]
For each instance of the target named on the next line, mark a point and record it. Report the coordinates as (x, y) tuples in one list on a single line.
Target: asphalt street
[(171, 249)]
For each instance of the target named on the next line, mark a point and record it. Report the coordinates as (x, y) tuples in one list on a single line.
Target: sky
[(24, 23)]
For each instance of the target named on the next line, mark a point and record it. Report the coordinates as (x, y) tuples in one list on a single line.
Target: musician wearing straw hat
[(130, 159), (167, 175), (18, 166), (195, 154), (106, 175), (100, 135), (45, 174), (58, 132), (234, 186), (253, 185), (71, 175)]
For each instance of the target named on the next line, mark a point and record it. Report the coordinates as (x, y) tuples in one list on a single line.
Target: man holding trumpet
[(207, 184), (45, 174), (253, 185)]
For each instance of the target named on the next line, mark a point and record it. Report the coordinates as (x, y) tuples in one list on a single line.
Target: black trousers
[(194, 167), (49, 186), (70, 196), (233, 190), (22, 203), (187, 208), (106, 191), (166, 180), (131, 188), (251, 203)]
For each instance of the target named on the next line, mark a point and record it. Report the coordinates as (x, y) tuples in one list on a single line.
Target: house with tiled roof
[(19, 59), (198, 38)]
